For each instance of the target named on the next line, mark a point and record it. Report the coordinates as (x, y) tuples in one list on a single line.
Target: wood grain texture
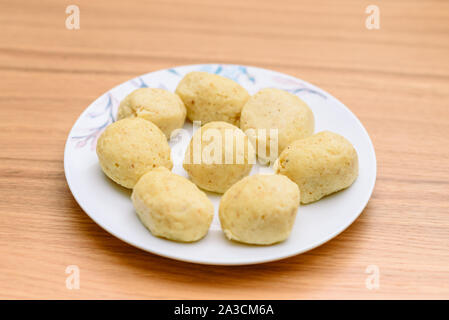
[(396, 80)]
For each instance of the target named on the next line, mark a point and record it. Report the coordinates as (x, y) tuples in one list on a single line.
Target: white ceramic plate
[(110, 206)]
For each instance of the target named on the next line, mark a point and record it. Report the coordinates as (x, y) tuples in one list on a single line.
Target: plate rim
[(251, 261)]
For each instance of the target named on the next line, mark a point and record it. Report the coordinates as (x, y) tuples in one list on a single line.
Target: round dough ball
[(171, 206), (320, 165), (218, 156), (129, 148), (210, 97), (276, 109), (163, 108), (259, 209)]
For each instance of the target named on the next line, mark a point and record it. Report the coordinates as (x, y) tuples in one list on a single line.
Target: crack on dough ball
[(163, 108)]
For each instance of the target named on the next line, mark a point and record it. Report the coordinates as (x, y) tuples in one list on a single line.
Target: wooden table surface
[(395, 79)]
